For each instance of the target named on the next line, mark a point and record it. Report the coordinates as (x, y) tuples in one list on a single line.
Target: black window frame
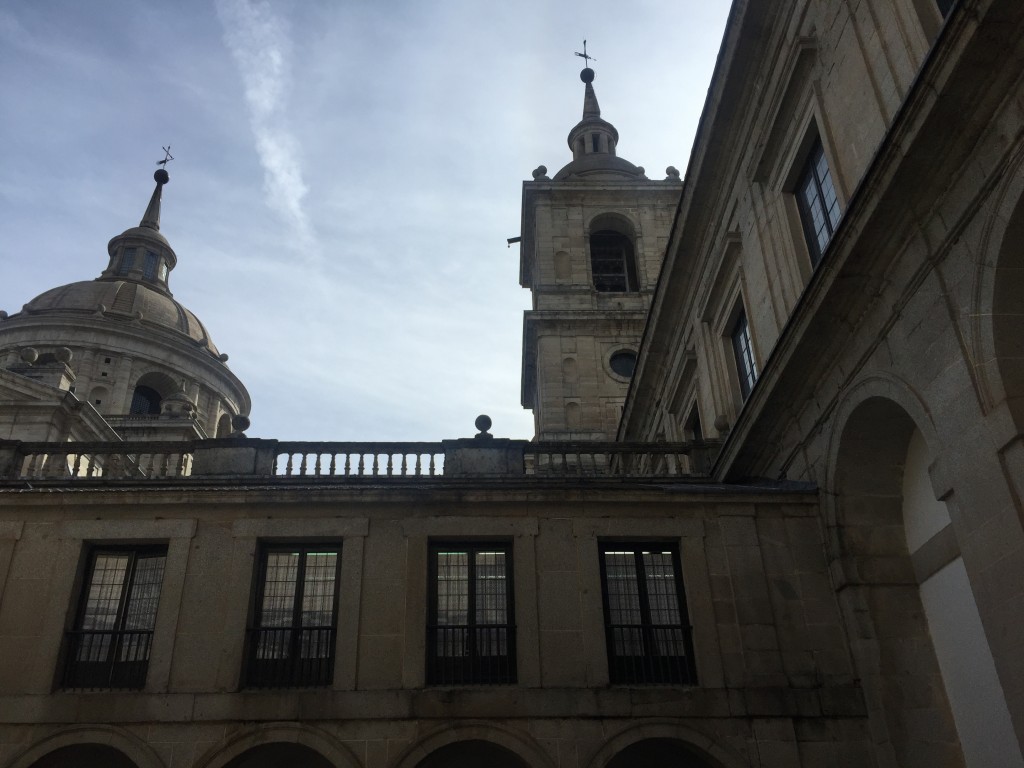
[(743, 353), (296, 669), (613, 262), (472, 667), (651, 666), (818, 235), (116, 657)]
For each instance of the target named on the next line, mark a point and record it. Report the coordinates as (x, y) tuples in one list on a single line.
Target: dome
[(600, 167), (121, 301)]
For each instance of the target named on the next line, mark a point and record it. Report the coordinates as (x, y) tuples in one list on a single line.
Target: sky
[(346, 175)]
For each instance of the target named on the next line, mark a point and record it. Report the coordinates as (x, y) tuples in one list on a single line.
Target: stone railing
[(108, 461), (272, 460), (359, 459)]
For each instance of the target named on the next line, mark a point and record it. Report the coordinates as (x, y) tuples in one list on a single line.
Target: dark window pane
[(127, 261), (645, 618), (623, 363), (746, 369), (109, 647), (612, 262), (470, 638), (292, 641), (149, 265), (817, 201)]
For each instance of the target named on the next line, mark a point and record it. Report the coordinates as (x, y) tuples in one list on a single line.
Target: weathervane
[(168, 156), (584, 55)]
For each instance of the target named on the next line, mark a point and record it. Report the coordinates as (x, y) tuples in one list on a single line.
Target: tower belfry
[(593, 238)]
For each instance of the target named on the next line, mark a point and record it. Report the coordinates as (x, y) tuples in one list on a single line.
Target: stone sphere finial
[(63, 354), (161, 176), (239, 424), (483, 423), (587, 75), (29, 355)]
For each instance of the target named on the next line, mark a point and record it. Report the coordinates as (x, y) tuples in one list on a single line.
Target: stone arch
[(105, 745), (998, 311), (666, 738), (915, 629), (876, 585), (224, 428), (519, 744), (613, 221), (159, 381), (254, 742), (150, 390)]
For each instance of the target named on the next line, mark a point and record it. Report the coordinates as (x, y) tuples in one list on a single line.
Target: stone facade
[(804, 548), (888, 367), (773, 667)]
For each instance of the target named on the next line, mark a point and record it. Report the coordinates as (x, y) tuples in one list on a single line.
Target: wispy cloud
[(261, 46)]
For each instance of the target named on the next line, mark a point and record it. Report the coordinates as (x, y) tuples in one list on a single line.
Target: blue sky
[(346, 175)]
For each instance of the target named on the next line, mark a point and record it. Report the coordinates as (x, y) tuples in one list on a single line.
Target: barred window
[(647, 630), (816, 198), (110, 644), (471, 632), (612, 262), (291, 638)]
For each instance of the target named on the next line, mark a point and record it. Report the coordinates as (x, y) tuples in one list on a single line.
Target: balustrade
[(273, 460)]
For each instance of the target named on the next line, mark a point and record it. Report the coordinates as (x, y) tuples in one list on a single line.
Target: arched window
[(145, 401), (612, 262)]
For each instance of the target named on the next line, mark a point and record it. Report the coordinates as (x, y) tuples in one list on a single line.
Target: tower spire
[(151, 218)]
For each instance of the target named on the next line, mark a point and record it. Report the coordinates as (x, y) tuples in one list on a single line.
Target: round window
[(623, 363)]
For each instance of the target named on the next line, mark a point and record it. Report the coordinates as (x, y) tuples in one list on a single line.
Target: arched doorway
[(280, 755), (915, 631), (472, 754), (85, 756), (659, 753)]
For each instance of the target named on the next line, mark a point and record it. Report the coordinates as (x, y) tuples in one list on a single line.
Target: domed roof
[(600, 167), (121, 301)]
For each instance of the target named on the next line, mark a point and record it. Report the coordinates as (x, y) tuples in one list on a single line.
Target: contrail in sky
[(259, 42)]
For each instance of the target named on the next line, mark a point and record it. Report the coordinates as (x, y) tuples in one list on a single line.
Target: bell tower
[(592, 242)]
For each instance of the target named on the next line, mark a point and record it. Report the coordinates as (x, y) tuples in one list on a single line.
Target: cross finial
[(584, 55), (167, 156)]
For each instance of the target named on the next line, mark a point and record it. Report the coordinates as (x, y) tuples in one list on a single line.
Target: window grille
[(127, 261), (648, 634), (290, 642), (612, 262), (742, 348), (149, 265), (145, 402), (110, 644), (471, 633), (816, 198)]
